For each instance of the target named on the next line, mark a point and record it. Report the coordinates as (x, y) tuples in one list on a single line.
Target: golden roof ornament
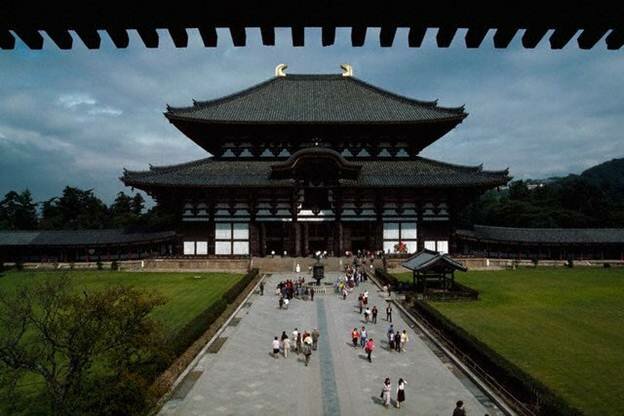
[(347, 70), (280, 70)]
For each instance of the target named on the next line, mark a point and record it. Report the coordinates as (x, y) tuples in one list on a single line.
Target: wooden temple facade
[(302, 163)]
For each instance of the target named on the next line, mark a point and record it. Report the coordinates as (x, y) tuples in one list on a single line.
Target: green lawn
[(186, 297), (565, 327)]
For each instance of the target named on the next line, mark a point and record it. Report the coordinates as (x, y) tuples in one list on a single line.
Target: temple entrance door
[(319, 237), (276, 237), (360, 234)]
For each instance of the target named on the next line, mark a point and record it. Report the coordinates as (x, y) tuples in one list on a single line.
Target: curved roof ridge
[(197, 104), (409, 100), (166, 168)]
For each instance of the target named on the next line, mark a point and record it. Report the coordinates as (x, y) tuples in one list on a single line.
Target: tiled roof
[(545, 235), (415, 172), (303, 98), (79, 237), (426, 259)]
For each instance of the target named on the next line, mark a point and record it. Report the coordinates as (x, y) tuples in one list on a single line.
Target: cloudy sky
[(79, 117)]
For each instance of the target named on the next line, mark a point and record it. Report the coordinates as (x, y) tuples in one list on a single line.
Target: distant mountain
[(608, 175)]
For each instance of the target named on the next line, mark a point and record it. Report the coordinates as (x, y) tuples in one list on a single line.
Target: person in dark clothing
[(389, 313), (261, 288), (312, 294), (459, 410), (374, 312)]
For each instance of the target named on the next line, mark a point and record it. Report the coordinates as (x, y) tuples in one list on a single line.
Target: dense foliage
[(78, 209), (86, 347), (593, 199)]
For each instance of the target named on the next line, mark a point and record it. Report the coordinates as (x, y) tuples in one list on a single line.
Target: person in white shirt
[(276, 347)]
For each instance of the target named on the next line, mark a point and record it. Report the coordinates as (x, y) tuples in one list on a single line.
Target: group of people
[(386, 392), (397, 340), (301, 342), (288, 289)]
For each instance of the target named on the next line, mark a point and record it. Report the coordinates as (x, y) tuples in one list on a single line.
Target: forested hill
[(595, 198), (609, 175)]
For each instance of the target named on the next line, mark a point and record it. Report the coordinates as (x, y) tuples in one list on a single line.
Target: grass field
[(565, 327), (186, 297)]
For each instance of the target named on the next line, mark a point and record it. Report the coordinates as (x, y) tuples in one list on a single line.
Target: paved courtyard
[(242, 377)]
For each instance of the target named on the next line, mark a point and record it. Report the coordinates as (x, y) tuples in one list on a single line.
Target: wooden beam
[(561, 36), (62, 38), (239, 36), (268, 35), (474, 37), (32, 38), (358, 36), (445, 35), (119, 37), (328, 35), (7, 40), (503, 36), (532, 36), (179, 36), (149, 36), (90, 37), (298, 36), (415, 36), (615, 39), (589, 37), (208, 35), (386, 36)]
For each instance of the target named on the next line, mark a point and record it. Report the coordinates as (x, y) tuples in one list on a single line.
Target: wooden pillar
[(262, 243), (338, 239), (306, 239), (254, 243), (294, 243)]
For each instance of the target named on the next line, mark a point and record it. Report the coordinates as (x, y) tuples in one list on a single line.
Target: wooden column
[(254, 243), (262, 245), (338, 239), (306, 236)]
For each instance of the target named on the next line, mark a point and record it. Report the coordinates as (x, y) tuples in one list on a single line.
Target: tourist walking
[(298, 342), (459, 409), (367, 313), (286, 346), (312, 294), (374, 313), (400, 393), (281, 302), (385, 392), (397, 341), (368, 348), (404, 339), (361, 302), (307, 348), (315, 336), (391, 337), (276, 347), (295, 335), (363, 337), (261, 288), (355, 336), (389, 312)]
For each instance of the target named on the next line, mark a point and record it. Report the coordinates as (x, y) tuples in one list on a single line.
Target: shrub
[(99, 265), (19, 265), (114, 265), (195, 328), (72, 265)]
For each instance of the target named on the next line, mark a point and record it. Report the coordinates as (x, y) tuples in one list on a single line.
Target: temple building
[(301, 163)]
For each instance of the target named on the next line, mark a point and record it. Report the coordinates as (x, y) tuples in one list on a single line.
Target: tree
[(75, 209), (18, 211), (138, 204), (83, 345)]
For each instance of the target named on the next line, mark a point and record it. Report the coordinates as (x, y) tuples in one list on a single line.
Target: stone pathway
[(242, 377)]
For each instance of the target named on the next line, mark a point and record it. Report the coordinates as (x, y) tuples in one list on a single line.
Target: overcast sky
[(79, 117)]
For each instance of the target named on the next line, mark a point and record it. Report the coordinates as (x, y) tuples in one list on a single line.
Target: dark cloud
[(79, 117)]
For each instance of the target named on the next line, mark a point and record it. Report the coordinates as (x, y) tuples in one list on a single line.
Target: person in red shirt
[(355, 336), (369, 347)]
